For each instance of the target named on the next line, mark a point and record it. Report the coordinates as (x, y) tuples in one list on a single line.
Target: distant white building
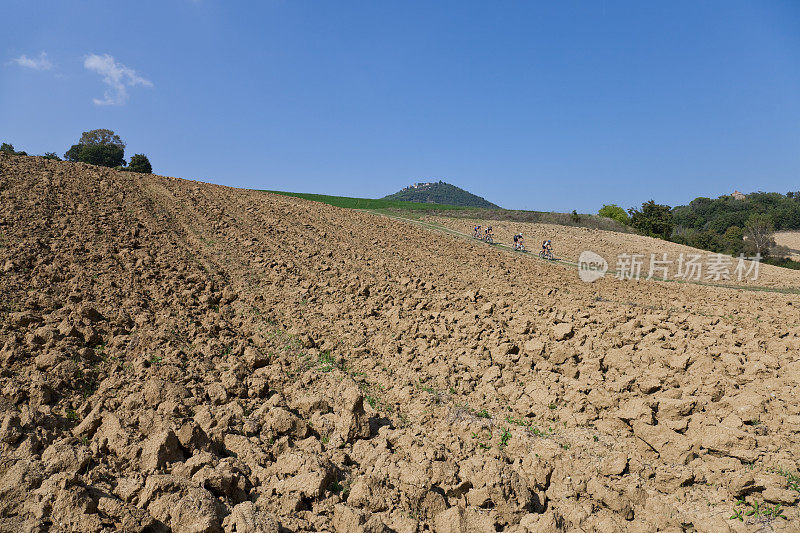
[(738, 196)]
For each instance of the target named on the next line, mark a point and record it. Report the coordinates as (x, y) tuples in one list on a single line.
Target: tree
[(9, 149), (653, 219), (51, 155), (758, 235), (74, 153), (733, 240), (95, 137), (140, 163), (104, 155), (98, 147), (614, 212)]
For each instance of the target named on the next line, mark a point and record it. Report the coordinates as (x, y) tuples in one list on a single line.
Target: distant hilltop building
[(420, 185), (737, 195)]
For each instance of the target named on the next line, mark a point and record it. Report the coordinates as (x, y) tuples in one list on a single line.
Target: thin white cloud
[(35, 63), (116, 75)]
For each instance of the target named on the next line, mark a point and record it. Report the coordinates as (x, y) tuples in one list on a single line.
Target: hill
[(182, 356), (440, 193), (368, 203)]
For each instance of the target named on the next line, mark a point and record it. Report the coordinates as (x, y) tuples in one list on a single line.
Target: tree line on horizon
[(100, 147), (724, 225)]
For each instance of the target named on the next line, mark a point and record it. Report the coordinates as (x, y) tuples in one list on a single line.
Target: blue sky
[(533, 105)]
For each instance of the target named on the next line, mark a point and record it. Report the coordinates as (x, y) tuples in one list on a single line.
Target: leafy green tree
[(104, 155), (102, 136), (733, 240), (140, 163), (98, 147), (51, 155), (653, 219), (614, 212)]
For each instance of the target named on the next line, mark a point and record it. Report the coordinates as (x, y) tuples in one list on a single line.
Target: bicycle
[(546, 254)]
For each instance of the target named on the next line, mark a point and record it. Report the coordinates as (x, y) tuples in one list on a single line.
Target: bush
[(51, 155), (614, 212), (140, 163), (784, 262)]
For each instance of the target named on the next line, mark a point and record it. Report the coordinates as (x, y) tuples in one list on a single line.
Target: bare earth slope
[(790, 239), (189, 357)]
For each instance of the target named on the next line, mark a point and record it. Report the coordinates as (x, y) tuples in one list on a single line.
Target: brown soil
[(790, 239), (190, 357)]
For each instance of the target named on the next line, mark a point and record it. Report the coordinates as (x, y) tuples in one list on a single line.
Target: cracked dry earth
[(189, 357)]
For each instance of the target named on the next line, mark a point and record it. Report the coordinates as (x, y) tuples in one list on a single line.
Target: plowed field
[(189, 357)]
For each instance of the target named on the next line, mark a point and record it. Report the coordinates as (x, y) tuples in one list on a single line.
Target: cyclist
[(477, 232), (489, 233), (518, 245), (547, 248)]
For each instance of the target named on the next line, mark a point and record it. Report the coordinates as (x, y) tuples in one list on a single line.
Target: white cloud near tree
[(117, 76), (35, 63)]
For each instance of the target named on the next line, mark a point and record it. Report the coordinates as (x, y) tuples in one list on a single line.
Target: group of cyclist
[(518, 241), (483, 234)]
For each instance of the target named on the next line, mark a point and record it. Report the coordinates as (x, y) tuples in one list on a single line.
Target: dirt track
[(569, 242), (184, 356)]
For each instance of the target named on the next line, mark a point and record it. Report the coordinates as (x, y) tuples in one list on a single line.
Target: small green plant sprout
[(426, 388), (505, 436), (72, 415), (756, 509), (371, 400), (519, 422), (342, 489), (155, 359), (775, 511), (596, 438), (327, 361), (792, 480), (483, 413)]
